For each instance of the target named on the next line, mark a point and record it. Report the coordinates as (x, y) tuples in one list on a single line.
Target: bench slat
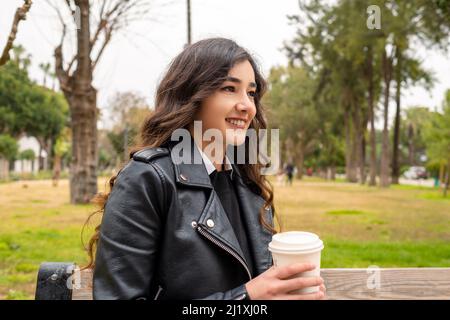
[(84, 290), (355, 284), (387, 284)]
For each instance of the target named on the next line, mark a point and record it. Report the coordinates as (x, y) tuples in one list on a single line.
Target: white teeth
[(236, 122)]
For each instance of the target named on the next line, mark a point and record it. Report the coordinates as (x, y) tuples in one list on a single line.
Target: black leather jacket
[(165, 234)]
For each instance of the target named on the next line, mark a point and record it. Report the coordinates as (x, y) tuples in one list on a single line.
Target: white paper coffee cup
[(297, 247)]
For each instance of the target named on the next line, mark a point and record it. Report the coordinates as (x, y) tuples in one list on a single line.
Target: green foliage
[(26, 107), (27, 154), (344, 59), (117, 140), (105, 159), (14, 92), (8, 147), (437, 133)]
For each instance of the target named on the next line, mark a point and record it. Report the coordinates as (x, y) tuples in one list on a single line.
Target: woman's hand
[(274, 284)]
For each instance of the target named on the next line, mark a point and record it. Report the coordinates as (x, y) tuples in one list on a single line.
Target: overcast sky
[(137, 60)]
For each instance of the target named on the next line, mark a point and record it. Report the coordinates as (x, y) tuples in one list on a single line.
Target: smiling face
[(231, 108)]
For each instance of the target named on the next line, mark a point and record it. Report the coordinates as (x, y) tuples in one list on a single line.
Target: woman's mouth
[(236, 123)]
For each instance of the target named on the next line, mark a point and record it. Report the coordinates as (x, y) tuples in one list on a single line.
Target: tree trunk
[(441, 172), (411, 144), (396, 138), (4, 168), (384, 172), (363, 161), (373, 146), (333, 172), (48, 159), (299, 160), (358, 142), (56, 169), (83, 167), (350, 171), (447, 178), (82, 99), (41, 159)]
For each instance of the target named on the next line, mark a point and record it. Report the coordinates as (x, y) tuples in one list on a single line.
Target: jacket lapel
[(195, 175), (258, 236)]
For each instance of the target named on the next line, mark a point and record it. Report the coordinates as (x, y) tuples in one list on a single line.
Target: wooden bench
[(65, 281)]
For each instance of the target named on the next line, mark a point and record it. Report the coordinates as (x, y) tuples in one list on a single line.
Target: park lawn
[(360, 226)]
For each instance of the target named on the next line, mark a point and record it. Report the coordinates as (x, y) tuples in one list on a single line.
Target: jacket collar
[(195, 171), (210, 168), (195, 174)]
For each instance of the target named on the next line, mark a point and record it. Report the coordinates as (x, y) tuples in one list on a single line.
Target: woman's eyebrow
[(236, 80)]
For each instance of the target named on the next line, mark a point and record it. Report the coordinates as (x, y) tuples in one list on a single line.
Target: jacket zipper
[(224, 247), (157, 293)]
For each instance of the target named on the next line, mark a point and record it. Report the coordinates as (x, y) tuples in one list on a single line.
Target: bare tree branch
[(21, 14), (63, 75), (114, 19), (58, 50), (105, 43)]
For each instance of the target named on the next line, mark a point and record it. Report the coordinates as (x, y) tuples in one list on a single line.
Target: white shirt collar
[(210, 168)]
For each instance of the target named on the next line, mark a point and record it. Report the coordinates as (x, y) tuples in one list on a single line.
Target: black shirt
[(225, 189)]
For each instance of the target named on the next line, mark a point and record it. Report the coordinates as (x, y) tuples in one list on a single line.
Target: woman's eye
[(230, 89), (252, 93)]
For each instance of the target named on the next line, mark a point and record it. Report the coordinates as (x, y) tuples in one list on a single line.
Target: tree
[(96, 23), (292, 110), (27, 108), (21, 14), (437, 136), (60, 149), (127, 110), (387, 63), (8, 152), (339, 55), (27, 155), (45, 67), (424, 21), (332, 50), (412, 135)]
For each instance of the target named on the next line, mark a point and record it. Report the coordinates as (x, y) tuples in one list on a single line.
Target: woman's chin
[(237, 138)]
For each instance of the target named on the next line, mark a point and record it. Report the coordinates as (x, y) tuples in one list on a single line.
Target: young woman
[(195, 230)]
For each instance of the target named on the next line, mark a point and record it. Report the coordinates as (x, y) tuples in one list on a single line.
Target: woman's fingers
[(299, 283), (284, 272), (323, 289)]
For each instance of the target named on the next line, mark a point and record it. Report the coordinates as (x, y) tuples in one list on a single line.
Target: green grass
[(344, 212), (360, 226), (338, 253), (435, 196)]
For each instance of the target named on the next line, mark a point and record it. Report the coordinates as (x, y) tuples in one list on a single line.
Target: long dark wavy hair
[(196, 73)]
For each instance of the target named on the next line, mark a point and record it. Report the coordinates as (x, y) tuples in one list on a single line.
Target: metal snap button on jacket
[(194, 224), (210, 223)]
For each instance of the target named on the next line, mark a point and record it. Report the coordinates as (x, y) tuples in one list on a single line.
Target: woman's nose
[(244, 104)]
